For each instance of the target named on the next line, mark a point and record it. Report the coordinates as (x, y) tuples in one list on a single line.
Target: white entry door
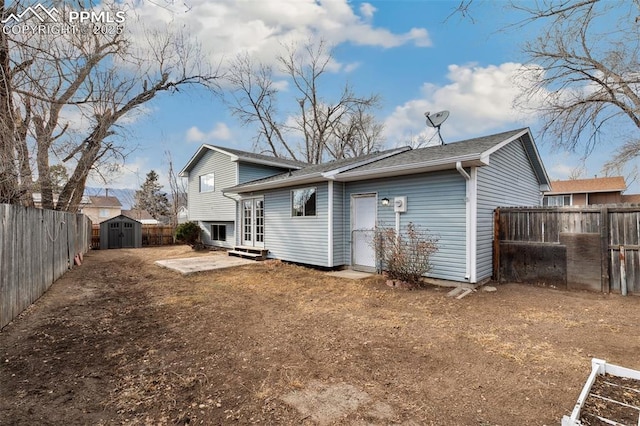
[(253, 222), (363, 223)]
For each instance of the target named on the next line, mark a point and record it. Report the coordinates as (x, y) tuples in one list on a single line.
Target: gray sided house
[(323, 215), (213, 168)]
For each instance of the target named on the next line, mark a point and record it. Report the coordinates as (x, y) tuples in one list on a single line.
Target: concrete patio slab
[(350, 274), (189, 265)]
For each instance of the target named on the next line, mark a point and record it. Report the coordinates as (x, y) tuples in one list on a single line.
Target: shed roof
[(581, 186), (120, 217), (238, 155)]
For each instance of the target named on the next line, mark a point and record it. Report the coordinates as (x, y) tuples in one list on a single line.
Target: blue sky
[(412, 53)]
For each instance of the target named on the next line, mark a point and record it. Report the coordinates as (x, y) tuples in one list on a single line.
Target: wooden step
[(255, 253)]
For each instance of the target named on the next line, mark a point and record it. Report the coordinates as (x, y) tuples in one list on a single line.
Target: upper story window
[(207, 183), (303, 202), (105, 213), (556, 200)]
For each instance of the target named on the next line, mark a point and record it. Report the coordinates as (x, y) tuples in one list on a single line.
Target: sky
[(416, 54)]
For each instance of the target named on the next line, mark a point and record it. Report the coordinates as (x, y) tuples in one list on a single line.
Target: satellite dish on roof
[(436, 120)]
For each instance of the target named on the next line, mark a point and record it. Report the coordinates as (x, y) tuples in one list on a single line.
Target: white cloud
[(229, 27), (367, 10), (560, 171), (351, 67), (220, 131), (480, 99)]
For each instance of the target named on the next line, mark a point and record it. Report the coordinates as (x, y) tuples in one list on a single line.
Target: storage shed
[(120, 232)]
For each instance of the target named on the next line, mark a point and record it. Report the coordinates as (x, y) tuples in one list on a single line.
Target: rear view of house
[(324, 214), (214, 168)]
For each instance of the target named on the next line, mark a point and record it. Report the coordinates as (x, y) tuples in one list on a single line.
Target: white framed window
[(207, 183), (556, 200), (218, 232), (104, 212), (303, 202)]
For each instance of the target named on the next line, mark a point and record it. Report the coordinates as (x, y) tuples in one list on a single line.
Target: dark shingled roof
[(317, 169), (250, 157), (399, 161), (262, 157), (469, 147)]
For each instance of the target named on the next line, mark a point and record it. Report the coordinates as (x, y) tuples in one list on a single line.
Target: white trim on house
[(402, 169), (473, 238), (330, 224), (486, 154)]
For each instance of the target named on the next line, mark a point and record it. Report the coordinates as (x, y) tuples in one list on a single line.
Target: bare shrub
[(406, 255)]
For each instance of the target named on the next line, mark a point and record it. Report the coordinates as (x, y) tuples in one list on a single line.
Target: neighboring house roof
[(238, 155), (98, 201), (138, 214), (314, 172), (631, 198), (582, 186), (403, 161)]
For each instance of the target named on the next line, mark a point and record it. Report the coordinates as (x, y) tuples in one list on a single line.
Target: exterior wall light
[(385, 201)]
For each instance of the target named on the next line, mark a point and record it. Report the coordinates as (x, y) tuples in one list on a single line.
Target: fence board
[(152, 235), (36, 247), (616, 225)]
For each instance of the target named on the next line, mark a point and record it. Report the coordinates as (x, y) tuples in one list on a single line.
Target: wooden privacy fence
[(36, 247), (152, 235), (593, 248)]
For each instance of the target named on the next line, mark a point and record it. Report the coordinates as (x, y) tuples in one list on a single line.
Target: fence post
[(623, 272), (496, 245), (604, 250)]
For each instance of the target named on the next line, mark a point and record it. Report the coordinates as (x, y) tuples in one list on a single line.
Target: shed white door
[(363, 223)]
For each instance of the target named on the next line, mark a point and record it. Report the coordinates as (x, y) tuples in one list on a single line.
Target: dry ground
[(120, 340)]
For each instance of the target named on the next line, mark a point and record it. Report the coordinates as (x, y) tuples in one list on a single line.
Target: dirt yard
[(121, 340)]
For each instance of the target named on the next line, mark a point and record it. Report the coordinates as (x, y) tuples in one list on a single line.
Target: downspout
[(236, 221), (467, 179)]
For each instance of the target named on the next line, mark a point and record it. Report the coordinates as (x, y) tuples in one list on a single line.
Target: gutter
[(409, 167), (311, 178)]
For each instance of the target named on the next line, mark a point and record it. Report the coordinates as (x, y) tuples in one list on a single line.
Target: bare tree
[(100, 79), (317, 128), (9, 155), (588, 83), (177, 191)]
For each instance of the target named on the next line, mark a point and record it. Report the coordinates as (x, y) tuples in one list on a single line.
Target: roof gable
[(470, 152), (238, 155)]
